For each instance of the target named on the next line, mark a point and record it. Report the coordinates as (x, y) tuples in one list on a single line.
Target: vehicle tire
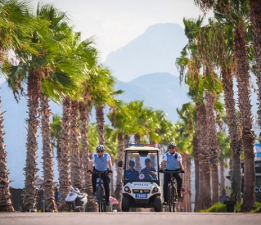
[(86, 208), (157, 204), (69, 207), (125, 204)]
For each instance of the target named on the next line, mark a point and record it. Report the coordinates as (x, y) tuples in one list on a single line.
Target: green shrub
[(218, 207)]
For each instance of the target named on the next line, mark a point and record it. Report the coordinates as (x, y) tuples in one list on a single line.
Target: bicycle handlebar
[(172, 171), (100, 172)]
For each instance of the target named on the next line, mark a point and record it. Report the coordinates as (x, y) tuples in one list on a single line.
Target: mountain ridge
[(154, 51)]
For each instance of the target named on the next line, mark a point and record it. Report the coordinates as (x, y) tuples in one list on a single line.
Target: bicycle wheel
[(175, 198), (100, 200), (170, 197)]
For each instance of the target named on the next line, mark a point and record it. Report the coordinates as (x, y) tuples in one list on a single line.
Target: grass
[(220, 207)]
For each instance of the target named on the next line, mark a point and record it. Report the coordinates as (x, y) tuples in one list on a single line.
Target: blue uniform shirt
[(101, 163), (131, 175), (172, 161)]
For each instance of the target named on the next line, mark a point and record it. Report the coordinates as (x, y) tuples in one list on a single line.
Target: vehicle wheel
[(69, 207), (157, 204), (86, 208), (125, 204)]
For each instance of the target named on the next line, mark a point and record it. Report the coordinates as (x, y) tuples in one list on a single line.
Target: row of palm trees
[(54, 63), (49, 58), (228, 47)]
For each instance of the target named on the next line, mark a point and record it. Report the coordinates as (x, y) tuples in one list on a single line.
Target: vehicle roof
[(141, 148)]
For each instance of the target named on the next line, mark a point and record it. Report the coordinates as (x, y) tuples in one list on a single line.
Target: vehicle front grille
[(141, 191)]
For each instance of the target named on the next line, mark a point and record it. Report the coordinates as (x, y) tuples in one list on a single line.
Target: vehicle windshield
[(141, 165)]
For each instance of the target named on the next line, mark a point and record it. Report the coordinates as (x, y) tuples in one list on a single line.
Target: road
[(131, 218)]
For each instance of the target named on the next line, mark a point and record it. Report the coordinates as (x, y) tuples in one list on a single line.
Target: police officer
[(131, 173), (172, 161), (101, 161)]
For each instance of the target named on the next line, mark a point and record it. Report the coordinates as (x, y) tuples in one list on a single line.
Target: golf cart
[(141, 190)]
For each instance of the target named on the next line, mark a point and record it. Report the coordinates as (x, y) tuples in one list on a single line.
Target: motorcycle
[(76, 201)]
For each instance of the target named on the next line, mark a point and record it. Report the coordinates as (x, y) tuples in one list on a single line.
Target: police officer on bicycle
[(101, 161), (172, 161)]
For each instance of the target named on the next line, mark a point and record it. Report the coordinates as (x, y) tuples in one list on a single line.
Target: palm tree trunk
[(64, 169), (118, 189), (137, 158), (48, 186), (100, 123), (84, 118), (222, 178), (84, 141), (213, 145), (204, 159), (76, 168), (255, 12), (196, 163), (246, 120), (233, 129), (6, 204), (29, 195)]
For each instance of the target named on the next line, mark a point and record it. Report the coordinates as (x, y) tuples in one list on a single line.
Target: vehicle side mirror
[(120, 164)]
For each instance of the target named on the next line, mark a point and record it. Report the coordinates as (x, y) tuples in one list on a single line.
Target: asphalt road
[(131, 218)]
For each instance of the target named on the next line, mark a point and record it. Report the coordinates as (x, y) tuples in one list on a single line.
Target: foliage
[(218, 207)]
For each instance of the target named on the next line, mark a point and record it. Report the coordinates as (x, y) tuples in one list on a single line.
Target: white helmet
[(171, 144), (100, 148)]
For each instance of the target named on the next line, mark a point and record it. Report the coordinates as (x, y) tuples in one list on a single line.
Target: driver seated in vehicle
[(131, 173), (149, 172)]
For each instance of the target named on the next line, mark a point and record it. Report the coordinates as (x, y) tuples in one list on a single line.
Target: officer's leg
[(165, 187), (179, 183), (94, 177)]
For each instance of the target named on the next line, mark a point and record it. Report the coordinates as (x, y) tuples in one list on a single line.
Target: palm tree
[(236, 14), (120, 120), (15, 26), (196, 88), (255, 11)]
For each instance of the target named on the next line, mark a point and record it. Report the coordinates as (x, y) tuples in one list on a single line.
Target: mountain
[(158, 90), (155, 51)]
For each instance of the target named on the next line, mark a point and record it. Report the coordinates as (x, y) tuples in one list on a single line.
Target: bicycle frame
[(172, 190), (100, 191)]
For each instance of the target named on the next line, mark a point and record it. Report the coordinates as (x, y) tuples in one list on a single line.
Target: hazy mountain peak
[(155, 50)]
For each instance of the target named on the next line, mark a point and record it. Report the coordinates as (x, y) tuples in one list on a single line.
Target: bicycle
[(100, 191), (172, 189)]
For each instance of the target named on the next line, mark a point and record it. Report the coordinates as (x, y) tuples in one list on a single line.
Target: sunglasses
[(100, 150), (171, 147)]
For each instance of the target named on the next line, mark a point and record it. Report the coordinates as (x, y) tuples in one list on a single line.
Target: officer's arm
[(90, 167), (163, 164), (180, 165), (110, 165)]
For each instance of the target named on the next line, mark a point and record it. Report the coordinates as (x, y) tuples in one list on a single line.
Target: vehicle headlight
[(127, 189), (155, 190)]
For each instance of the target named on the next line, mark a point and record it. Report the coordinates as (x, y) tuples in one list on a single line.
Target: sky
[(114, 23)]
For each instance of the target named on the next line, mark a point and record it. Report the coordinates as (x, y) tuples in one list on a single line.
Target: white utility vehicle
[(141, 188)]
